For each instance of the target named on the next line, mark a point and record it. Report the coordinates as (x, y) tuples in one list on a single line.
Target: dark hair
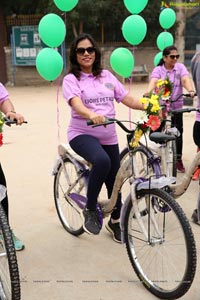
[(166, 52), (74, 65)]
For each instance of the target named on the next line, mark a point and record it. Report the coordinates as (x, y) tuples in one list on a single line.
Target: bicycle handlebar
[(111, 121), (182, 95), (8, 122), (183, 110)]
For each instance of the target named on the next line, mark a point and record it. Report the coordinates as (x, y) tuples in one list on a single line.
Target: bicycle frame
[(126, 171), (180, 188)]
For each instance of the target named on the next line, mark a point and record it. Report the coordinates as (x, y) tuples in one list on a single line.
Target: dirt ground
[(54, 264)]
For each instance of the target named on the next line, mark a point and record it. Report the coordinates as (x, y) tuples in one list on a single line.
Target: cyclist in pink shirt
[(195, 69), (91, 93), (7, 107), (179, 76)]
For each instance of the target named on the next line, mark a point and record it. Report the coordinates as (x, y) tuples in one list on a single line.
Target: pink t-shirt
[(98, 94), (3, 93), (195, 68), (175, 75)]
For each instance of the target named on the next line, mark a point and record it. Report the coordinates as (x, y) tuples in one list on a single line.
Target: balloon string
[(58, 111), (130, 84)]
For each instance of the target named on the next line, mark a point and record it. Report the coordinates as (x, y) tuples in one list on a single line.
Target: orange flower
[(153, 122)]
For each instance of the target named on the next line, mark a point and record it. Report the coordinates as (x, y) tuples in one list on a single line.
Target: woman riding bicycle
[(7, 107), (179, 76), (90, 92)]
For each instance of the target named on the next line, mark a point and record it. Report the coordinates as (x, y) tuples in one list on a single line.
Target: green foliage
[(96, 17)]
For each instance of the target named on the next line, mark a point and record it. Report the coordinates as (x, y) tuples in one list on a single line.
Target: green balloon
[(134, 29), (167, 18), (135, 7), (164, 39), (122, 62), (49, 64), (65, 5), (52, 30), (157, 58)]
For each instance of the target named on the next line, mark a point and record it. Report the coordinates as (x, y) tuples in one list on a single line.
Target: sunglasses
[(174, 56), (81, 51)]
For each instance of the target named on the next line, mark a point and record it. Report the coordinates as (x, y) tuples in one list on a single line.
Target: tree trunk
[(180, 33), (74, 30)]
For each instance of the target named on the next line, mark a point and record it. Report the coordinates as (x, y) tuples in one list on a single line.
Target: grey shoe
[(91, 221)]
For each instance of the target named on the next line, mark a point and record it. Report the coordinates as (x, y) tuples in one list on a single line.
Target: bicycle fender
[(156, 183), (56, 165)]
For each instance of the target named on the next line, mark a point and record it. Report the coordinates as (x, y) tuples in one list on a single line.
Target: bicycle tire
[(67, 209), (9, 272), (165, 263), (146, 164)]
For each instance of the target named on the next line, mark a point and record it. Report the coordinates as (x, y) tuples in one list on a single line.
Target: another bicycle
[(163, 146), (9, 273), (154, 227)]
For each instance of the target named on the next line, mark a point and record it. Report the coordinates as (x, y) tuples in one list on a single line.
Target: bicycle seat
[(159, 137), (66, 149)]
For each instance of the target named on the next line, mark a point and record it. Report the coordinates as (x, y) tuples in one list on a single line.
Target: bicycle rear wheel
[(9, 273), (69, 196), (160, 244)]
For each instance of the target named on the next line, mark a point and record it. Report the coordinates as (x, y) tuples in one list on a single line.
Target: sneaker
[(91, 222), (196, 174), (195, 217), (180, 167), (19, 245), (115, 230)]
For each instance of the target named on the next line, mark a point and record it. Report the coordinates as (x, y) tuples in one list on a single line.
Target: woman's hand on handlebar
[(13, 116), (97, 119), (192, 94)]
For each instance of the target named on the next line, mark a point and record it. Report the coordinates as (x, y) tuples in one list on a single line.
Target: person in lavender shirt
[(195, 69), (179, 76), (7, 108), (91, 93)]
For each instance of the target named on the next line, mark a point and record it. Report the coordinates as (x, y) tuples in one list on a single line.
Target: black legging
[(177, 121), (3, 182), (105, 162), (196, 133)]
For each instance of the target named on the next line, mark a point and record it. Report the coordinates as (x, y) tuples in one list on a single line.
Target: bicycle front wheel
[(9, 273), (160, 244), (68, 190), (145, 164)]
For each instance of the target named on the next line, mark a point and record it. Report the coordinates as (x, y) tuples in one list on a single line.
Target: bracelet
[(191, 91), (12, 111)]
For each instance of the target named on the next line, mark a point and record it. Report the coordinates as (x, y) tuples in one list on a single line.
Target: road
[(54, 264)]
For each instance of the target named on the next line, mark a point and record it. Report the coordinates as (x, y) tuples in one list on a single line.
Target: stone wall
[(28, 75)]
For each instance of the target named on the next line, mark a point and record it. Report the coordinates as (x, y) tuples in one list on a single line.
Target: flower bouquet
[(151, 117), (164, 88), (148, 119)]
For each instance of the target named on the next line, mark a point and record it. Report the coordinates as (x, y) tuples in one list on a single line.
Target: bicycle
[(9, 272), (154, 227), (169, 114), (163, 146)]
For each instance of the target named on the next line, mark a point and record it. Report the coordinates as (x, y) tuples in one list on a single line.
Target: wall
[(28, 75)]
